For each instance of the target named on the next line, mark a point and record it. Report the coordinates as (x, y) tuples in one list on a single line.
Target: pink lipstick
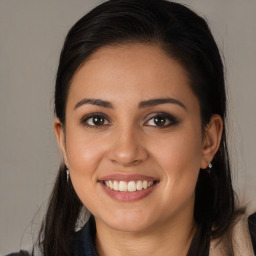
[(128, 187)]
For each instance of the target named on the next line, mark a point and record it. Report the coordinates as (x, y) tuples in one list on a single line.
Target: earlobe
[(60, 137), (212, 139)]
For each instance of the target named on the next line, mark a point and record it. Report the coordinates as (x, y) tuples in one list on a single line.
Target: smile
[(128, 187), (131, 186)]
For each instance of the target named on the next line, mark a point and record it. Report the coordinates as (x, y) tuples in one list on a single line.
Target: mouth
[(129, 186)]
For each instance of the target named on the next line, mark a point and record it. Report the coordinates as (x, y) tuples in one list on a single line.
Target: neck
[(168, 238)]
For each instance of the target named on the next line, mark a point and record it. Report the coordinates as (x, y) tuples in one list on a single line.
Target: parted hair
[(184, 36)]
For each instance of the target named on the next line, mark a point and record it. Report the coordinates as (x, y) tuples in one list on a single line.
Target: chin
[(129, 226), (129, 222)]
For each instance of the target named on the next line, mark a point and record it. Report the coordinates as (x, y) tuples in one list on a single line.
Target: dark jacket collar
[(252, 229), (84, 240)]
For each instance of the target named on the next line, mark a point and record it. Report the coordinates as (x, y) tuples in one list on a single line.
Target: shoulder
[(244, 234), (243, 238)]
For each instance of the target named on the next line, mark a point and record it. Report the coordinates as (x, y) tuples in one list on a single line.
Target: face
[(132, 139)]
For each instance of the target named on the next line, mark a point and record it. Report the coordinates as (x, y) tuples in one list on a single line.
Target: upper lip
[(127, 177)]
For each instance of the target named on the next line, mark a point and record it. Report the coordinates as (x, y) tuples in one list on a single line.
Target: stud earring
[(67, 171), (209, 167)]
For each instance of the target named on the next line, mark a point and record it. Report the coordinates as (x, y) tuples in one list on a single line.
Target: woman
[(140, 109)]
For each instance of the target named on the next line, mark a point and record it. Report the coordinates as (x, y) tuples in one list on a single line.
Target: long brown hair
[(183, 35)]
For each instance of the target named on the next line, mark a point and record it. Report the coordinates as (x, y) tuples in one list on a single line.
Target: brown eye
[(162, 121), (95, 120)]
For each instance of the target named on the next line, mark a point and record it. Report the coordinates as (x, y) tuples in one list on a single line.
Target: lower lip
[(128, 196)]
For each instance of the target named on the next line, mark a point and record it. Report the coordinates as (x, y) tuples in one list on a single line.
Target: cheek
[(179, 156), (179, 159), (180, 152), (83, 153)]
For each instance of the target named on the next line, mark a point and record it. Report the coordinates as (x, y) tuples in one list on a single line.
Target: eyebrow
[(97, 102), (143, 104), (154, 102)]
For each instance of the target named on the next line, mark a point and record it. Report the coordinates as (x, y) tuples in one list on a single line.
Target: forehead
[(132, 72)]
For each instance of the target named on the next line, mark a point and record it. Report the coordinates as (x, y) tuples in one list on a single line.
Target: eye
[(95, 120), (162, 120)]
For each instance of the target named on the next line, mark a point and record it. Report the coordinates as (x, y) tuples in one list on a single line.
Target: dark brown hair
[(184, 36)]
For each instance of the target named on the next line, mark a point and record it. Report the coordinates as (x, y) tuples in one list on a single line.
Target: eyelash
[(171, 119), (84, 120)]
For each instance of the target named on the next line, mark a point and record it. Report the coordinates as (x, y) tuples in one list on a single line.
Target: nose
[(127, 148)]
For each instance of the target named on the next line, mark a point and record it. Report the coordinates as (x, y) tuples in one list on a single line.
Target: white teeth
[(115, 185), (123, 186), (110, 184), (139, 185), (150, 183), (130, 186)]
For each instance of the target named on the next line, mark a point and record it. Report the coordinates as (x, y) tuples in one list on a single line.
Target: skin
[(131, 142)]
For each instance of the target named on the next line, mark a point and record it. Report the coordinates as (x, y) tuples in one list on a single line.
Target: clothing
[(252, 230), (20, 253), (243, 245), (84, 245), (243, 240), (84, 240)]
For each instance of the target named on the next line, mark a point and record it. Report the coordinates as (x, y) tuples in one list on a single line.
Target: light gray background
[(31, 37)]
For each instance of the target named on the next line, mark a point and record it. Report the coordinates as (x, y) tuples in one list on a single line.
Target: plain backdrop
[(31, 37)]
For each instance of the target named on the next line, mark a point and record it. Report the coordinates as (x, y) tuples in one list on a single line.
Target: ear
[(212, 138), (60, 137)]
